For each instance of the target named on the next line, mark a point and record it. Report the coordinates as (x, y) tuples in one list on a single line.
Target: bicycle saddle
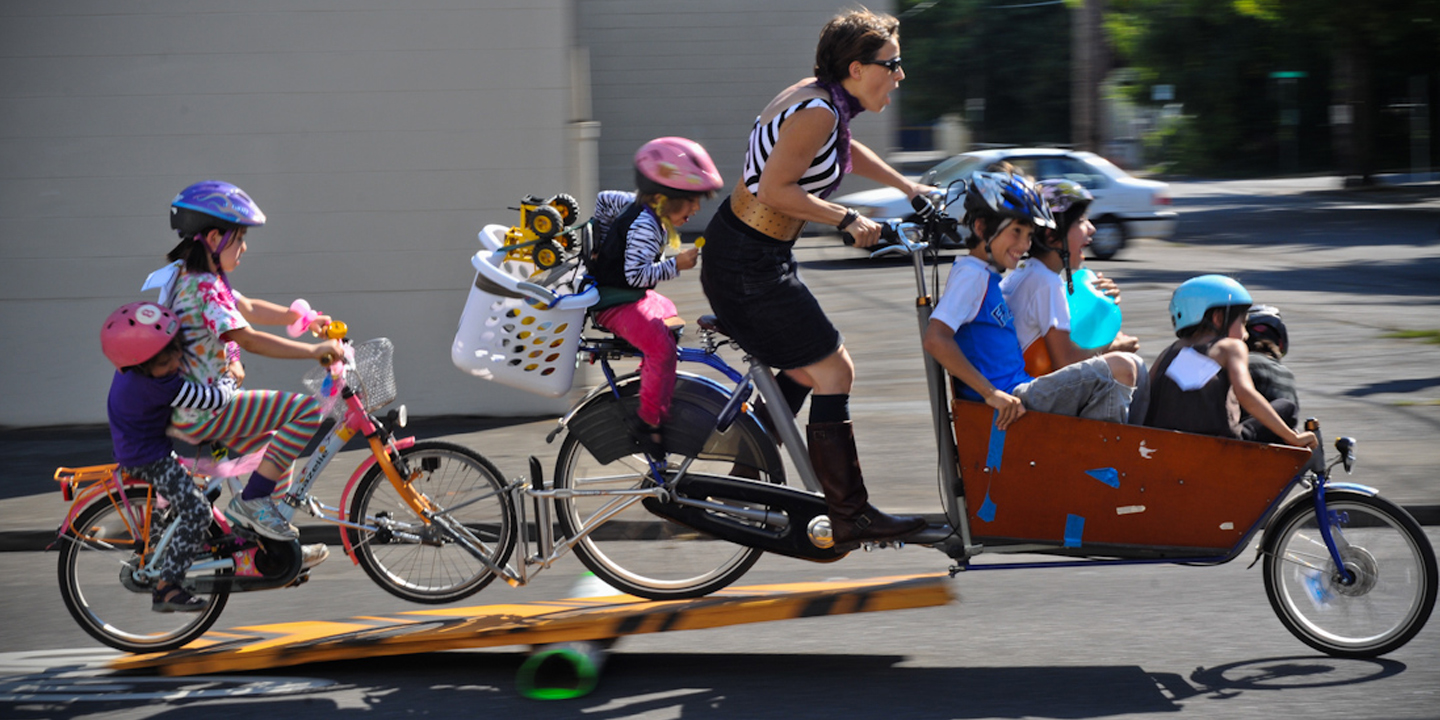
[(713, 324)]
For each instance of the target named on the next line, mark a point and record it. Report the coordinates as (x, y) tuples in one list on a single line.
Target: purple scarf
[(847, 106)]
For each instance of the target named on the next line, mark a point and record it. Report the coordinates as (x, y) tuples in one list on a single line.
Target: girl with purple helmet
[(212, 219)]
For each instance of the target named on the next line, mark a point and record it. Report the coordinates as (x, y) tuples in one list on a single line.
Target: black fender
[(601, 422)]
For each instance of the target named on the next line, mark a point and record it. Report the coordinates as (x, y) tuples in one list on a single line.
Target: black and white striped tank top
[(824, 169)]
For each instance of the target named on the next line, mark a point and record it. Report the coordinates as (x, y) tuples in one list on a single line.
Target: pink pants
[(642, 324)]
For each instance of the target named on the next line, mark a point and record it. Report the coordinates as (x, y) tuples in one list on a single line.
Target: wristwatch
[(850, 216)]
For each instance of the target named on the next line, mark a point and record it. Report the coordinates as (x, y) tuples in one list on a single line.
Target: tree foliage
[(1220, 55), (1016, 59)]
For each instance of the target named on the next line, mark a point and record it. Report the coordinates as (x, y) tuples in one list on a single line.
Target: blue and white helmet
[(1199, 295)]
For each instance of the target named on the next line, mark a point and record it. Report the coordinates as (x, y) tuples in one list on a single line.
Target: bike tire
[(422, 562), (1387, 551), (638, 552), (102, 603)]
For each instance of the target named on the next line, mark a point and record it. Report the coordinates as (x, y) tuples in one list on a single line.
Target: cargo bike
[(1348, 572)]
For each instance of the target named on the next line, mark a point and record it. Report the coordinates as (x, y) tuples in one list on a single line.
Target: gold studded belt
[(763, 218)]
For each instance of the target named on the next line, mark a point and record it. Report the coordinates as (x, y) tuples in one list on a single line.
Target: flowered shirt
[(206, 311)]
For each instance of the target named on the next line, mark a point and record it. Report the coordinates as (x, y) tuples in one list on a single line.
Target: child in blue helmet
[(1202, 381), (972, 331)]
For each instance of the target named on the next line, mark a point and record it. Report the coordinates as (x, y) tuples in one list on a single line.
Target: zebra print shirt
[(824, 169), (645, 240)]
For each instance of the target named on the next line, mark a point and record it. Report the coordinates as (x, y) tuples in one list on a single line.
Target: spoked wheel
[(638, 552), (1392, 585), (432, 562), (98, 558)]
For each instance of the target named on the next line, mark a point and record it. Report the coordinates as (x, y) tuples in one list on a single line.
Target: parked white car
[(1124, 206)]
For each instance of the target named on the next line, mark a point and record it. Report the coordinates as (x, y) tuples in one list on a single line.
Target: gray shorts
[(1085, 389)]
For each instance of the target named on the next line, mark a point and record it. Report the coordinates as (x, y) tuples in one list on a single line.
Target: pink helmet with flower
[(136, 332), (676, 167)]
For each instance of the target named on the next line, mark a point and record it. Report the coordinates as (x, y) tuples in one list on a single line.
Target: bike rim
[(417, 560), (647, 554), (1388, 587), (117, 615)]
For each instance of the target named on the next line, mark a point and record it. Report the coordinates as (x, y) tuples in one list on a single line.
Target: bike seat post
[(783, 422)]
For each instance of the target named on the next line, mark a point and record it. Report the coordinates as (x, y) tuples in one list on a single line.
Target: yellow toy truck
[(542, 236)]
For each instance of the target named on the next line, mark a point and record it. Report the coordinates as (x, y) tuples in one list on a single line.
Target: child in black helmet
[(1268, 342)]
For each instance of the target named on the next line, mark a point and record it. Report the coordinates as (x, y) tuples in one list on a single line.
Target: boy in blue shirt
[(972, 332)]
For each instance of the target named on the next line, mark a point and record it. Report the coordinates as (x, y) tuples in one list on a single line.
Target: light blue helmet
[(1198, 295)]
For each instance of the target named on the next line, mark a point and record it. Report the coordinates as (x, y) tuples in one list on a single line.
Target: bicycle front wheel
[(99, 555), (1390, 561), (434, 562), (638, 552)]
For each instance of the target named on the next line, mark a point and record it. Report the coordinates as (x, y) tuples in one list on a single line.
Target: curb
[(38, 540)]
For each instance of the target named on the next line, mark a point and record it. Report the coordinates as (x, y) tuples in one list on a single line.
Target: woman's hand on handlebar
[(865, 231)]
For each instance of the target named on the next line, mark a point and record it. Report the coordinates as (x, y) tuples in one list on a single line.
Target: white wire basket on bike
[(372, 375), (504, 338)]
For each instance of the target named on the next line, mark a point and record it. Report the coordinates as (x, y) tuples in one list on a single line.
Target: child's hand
[(1010, 408), (236, 370), (1305, 439), (687, 258), (328, 351), (319, 324), (1107, 287), (1124, 343)]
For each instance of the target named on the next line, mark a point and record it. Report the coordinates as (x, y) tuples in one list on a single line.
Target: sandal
[(173, 598)]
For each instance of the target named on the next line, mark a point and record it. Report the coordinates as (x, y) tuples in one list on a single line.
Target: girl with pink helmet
[(633, 231), (143, 341)]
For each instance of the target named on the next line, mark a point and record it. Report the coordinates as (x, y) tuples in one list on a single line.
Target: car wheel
[(1109, 237)]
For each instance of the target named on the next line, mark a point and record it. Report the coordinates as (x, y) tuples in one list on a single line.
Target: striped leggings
[(246, 422)]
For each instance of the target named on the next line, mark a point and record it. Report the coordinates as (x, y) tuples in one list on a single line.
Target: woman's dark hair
[(855, 35)]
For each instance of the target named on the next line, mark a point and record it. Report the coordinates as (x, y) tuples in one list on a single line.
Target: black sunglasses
[(893, 64)]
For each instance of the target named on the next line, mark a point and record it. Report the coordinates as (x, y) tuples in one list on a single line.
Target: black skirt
[(754, 287)]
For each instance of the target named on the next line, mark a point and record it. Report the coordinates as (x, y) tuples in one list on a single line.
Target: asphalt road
[(1346, 268)]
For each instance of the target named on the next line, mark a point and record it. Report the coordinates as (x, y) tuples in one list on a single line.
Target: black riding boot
[(837, 465)]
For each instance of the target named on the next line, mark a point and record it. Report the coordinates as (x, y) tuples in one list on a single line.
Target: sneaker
[(262, 516), (312, 555), (175, 599)]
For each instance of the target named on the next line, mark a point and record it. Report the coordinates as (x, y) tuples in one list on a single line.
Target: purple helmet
[(213, 204)]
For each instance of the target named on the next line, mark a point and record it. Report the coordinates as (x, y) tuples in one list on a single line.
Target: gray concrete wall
[(377, 135), (703, 71)]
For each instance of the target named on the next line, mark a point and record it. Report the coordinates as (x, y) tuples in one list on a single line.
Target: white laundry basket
[(504, 338)]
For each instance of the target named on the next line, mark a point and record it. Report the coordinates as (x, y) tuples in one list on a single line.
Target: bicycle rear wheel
[(98, 557), (1388, 556), (634, 550), (421, 561)]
